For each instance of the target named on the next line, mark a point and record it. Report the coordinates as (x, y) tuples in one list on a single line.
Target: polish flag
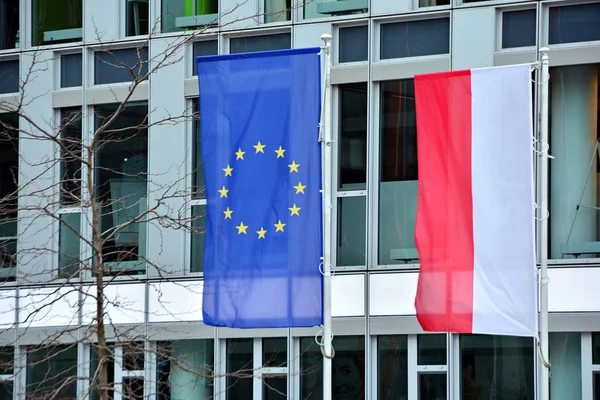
[(475, 210)]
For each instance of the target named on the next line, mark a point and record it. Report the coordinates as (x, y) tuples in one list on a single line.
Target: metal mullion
[(374, 370), (587, 368), (257, 368), (351, 193), (373, 155), (413, 384)]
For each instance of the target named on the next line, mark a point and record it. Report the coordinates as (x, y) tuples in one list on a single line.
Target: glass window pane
[(203, 48), (133, 356), (9, 76), (352, 157), (576, 23), (351, 231), (354, 44), (52, 372), (274, 387), (433, 3), (498, 366), (518, 28), (110, 367), (415, 38), (565, 350), (70, 70), (69, 245), (279, 41), (179, 15), (7, 360), (432, 387), (6, 390), (274, 352), (137, 17), (133, 388), (431, 349), (56, 21), (9, 171), (9, 26), (348, 378), (120, 65), (198, 224), (197, 168), (278, 10), (392, 367), (574, 115), (185, 369), (398, 173), (239, 368), (70, 149), (120, 183)]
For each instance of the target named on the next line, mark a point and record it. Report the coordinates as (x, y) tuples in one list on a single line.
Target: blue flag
[(259, 117)]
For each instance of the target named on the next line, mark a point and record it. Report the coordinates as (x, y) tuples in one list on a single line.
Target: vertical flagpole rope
[(544, 387), (325, 138)]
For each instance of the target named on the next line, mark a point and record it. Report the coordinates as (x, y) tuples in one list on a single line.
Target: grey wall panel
[(394, 325), (401, 70), (245, 333), (67, 98), (473, 37), (179, 331), (309, 35), (102, 20), (116, 92), (514, 57), (379, 7), (37, 232), (339, 327), (167, 158), (576, 322), (575, 55), (355, 73), (237, 14)]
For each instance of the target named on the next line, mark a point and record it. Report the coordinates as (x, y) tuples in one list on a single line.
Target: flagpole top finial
[(326, 37)]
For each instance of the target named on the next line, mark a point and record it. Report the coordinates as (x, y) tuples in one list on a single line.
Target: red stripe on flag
[(444, 223)]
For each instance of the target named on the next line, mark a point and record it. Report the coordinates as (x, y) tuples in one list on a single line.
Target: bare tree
[(99, 174)]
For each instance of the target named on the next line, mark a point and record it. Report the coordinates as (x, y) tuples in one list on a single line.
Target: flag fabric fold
[(475, 210), (259, 119)]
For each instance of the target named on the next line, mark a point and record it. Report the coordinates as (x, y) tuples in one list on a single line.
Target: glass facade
[(145, 178)]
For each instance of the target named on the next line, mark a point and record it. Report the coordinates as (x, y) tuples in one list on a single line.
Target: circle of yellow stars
[(294, 209)]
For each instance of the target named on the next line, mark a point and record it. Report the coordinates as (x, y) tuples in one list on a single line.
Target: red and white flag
[(475, 210)]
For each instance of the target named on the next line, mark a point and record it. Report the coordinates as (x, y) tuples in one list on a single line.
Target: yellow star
[(279, 225), (239, 155), (261, 233), (259, 147), (280, 152), (223, 192), (293, 166), (241, 228), (295, 210), (228, 170), (299, 188), (227, 213)]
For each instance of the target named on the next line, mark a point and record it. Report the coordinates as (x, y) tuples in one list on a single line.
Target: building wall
[(376, 53)]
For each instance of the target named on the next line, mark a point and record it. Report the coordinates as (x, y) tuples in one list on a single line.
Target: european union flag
[(259, 117)]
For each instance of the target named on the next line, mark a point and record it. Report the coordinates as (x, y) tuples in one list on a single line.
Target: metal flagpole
[(544, 389), (326, 142)]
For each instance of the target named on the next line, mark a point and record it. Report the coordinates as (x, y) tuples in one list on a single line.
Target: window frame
[(337, 47), (544, 31), (499, 21), (376, 37)]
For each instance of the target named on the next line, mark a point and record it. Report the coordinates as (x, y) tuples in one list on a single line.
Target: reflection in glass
[(278, 10), (120, 65), (185, 369), (351, 231), (274, 352), (565, 350), (574, 172), (198, 224), (431, 349), (279, 41), (137, 17), (497, 366), (239, 368), (9, 172), (398, 173), (432, 386), (197, 169), (56, 21), (348, 369), (69, 245), (352, 151), (70, 155), (180, 15), (392, 368), (120, 184), (52, 372)]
